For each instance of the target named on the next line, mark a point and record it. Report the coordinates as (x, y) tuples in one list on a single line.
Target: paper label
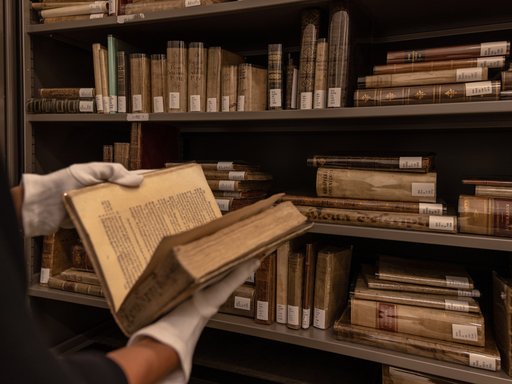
[(410, 162), (106, 104), (461, 282), (262, 310), (471, 293), (86, 106), (306, 100), (240, 105), (174, 100), (387, 317), (431, 209), (137, 116), (94, 16), (441, 223), (465, 332), (319, 318), (491, 62), (319, 99), (211, 104), (192, 3), (306, 318), (236, 175), (334, 98), (423, 189), (480, 361), (99, 103), (121, 19), (121, 104), (469, 74), (293, 315), (195, 103), (478, 88), (456, 305), (250, 278), (225, 104), (281, 314), (493, 48), (45, 275), (227, 185), (158, 104), (86, 92), (243, 303), (275, 98), (137, 103), (225, 166), (223, 204)]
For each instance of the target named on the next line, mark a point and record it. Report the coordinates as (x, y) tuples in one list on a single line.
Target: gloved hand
[(181, 328), (43, 210)]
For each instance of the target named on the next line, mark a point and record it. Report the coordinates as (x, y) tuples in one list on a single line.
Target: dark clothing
[(24, 357)]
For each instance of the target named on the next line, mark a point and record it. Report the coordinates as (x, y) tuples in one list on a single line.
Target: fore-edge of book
[(155, 245)]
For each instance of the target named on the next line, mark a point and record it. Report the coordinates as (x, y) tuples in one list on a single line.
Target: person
[(161, 352)]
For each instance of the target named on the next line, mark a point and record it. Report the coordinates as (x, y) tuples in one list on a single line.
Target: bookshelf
[(468, 138)]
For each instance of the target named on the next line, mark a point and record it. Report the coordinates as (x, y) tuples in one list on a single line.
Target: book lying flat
[(155, 245), (394, 375)]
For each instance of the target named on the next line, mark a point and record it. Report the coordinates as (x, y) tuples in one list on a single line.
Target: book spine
[(485, 215), (394, 163), (240, 302), (67, 93), (338, 59), (158, 74), (104, 79), (71, 286), (197, 62), (177, 64), (275, 76), (265, 290), (213, 79), (252, 88), (123, 82), (229, 88), (282, 256), (428, 94), (308, 284), (487, 190), (96, 57), (122, 154), (295, 287), (78, 276), (506, 80), (140, 83), (292, 73), (46, 105), (310, 25), (320, 87), (108, 153), (112, 47), (85, 9)]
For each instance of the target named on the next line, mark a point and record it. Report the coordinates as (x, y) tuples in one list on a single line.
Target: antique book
[(58, 19), (449, 303), (240, 185), (394, 375), (331, 284), (236, 175), (428, 94), (438, 209), (177, 78), (158, 82), (292, 73), (506, 80), (339, 54), (461, 327), (282, 257), (229, 204), (58, 282), (152, 146), (502, 316), (489, 62), (491, 191), (123, 82), (381, 219), (376, 184), (54, 105), (486, 357), (76, 9), (275, 76), (108, 153), (156, 6), (80, 276), (310, 29), (80, 259), (170, 224), (140, 83), (265, 290), (440, 76), (485, 215), (423, 272), (196, 76), (114, 45), (229, 88), (320, 82), (217, 59), (252, 88), (96, 59), (308, 285), (295, 289), (406, 163), (492, 48), (67, 93), (37, 6), (104, 78), (241, 195), (56, 253), (122, 154), (498, 181), (240, 302)]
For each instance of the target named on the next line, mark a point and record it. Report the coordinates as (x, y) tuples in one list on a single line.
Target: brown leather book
[(265, 290)]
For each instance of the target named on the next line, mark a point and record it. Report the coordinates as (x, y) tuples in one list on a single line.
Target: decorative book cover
[(59, 105), (197, 63), (140, 83), (295, 289), (310, 29), (158, 84), (320, 82), (485, 215), (177, 78), (252, 88), (502, 317), (265, 290), (275, 76)]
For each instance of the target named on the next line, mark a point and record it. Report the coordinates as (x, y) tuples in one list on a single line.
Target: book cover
[(96, 59), (123, 82), (394, 375), (80, 276), (491, 191), (240, 185), (265, 290), (67, 93), (168, 237), (295, 289), (177, 77)]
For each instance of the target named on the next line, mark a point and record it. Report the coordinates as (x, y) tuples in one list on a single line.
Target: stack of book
[(48, 11), (489, 210), (388, 191), (420, 307), (63, 100), (443, 74)]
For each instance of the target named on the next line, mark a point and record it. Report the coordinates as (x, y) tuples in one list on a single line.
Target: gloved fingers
[(97, 172)]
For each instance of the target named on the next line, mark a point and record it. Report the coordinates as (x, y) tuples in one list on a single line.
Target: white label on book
[(493, 48), (106, 104), (158, 104), (137, 103), (236, 175), (262, 310), (137, 117), (113, 103), (174, 100), (319, 102), (251, 278), (240, 104), (461, 282), (99, 103), (211, 104), (423, 189), (227, 185), (441, 223), (121, 104), (431, 209), (306, 318), (293, 315), (121, 19), (465, 332), (86, 92), (470, 293), (293, 103), (243, 303), (281, 313), (306, 100), (94, 16), (86, 105), (192, 3), (491, 62), (410, 162), (223, 204), (478, 88), (483, 362), (469, 74), (319, 318), (45, 275), (274, 98), (112, 7), (456, 305), (195, 103), (225, 166), (225, 104), (334, 98)]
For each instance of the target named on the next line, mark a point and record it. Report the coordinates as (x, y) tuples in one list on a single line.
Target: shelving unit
[(468, 138)]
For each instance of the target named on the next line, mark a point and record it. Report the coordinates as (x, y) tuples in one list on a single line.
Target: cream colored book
[(155, 245), (177, 57), (252, 88)]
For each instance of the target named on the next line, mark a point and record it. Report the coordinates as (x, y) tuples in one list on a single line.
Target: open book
[(155, 245)]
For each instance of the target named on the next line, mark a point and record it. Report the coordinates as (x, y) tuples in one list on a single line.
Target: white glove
[(181, 328), (43, 210)]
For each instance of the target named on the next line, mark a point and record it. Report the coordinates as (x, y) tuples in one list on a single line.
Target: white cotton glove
[(181, 328), (43, 211)]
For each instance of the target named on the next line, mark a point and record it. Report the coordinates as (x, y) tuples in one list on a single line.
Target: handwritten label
[(423, 189), (86, 106), (480, 361), (121, 19), (242, 303), (113, 103), (465, 332), (45, 275), (121, 104), (281, 313), (334, 98), (262, 310), (431, 209), (225, 166), (491, 62), (211, 104), (319, 318), (293, 315), (158, 104), (457, 282), (306, 100), (192, 3), (94, 16), (236, 175), (225, 104), (470, 293), (274, 98), (106, 104), (409, 162), (250, 278), (137, 103), (223, 204), (478, 88), (174, 100), (456, 305), (86, 92), (137, 117), (240, 105), (320, 99), (441, 223), (306, 318), (494, 48), (469, 74), (227, 185), (195, 103)]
